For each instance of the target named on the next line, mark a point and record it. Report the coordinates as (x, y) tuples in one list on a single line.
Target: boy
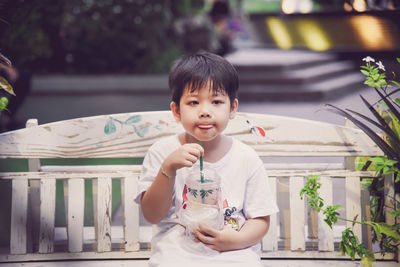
[(204, 98)]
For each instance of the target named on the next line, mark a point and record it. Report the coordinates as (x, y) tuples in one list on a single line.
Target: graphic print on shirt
[(229, 217)]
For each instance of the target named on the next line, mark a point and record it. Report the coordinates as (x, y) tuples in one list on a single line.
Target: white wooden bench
[(293, 148)]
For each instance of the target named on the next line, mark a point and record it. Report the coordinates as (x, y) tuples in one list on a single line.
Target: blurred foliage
[(261, 6), (88, 36)]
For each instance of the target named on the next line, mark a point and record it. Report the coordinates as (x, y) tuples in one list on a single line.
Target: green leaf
[(395, 213), (384, 228), (6, 86), (398, 59), (396, 83), (388, 230), (3, 103), (367, 261), (375, 76), (350, 252), (374, 70), (366, 73), (4, 60)]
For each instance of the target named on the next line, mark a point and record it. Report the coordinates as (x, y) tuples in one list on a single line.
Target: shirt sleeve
[(259, 200), (150, 167)]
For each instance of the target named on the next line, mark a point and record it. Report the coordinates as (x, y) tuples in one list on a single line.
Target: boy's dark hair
[(197, 70)]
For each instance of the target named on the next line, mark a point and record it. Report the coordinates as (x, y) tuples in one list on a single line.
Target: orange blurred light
[(371, 32), (347, 7)]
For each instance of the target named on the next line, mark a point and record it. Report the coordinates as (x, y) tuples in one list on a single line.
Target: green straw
[(201, 166)]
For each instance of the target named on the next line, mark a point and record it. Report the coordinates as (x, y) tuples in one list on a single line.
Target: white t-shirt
[(244, 187)]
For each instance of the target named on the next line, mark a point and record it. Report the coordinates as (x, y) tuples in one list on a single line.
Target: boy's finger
[(200, 148), (203, 238), (204, 229), (196, 150)]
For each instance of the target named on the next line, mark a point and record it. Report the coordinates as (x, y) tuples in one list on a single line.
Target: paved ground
[(49, 108), (60, 97)]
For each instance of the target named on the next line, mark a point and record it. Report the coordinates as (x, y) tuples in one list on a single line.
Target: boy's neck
[(214, 149)]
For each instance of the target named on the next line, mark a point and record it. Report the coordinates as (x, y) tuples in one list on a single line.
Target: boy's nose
[(204, 114), (204, 111)]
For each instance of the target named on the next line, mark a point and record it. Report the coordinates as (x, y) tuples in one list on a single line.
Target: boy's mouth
[(205, 126)]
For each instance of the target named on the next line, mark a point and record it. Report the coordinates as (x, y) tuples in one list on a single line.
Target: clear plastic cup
[(203, 203), (206, 192)]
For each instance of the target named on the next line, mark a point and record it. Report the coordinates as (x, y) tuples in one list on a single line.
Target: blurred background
[(84, 57)]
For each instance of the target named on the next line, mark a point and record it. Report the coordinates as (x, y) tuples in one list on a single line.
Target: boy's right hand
[(185, 156)]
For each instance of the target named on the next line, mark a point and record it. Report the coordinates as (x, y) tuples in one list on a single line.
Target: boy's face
[(203, 113)]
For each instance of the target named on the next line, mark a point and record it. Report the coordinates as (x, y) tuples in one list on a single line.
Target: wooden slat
[(136, 169), (325, 233), (95, 211), (353, 204), (297, 214), (104, 214), (47, 215), (369, 228), (131, 213), (389, 198), (19, 213), (34, 200), (76, 194), (270, 240), (65, 175)]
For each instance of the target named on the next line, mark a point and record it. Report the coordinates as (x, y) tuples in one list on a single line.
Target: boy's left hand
[(224, 240)]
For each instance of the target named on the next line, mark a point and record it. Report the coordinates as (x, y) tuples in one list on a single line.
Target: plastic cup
[(206, 192)]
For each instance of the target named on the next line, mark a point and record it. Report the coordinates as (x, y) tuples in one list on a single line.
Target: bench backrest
[(129, 135)]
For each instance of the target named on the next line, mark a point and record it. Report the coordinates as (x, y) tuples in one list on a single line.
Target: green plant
[(4, 84), (350, 244), (386, 115)]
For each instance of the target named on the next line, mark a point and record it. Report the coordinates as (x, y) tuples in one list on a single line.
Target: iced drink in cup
[(203, 200), (206, 191)]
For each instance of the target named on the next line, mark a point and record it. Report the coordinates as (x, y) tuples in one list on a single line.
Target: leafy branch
[(350, 245), (4, 84)]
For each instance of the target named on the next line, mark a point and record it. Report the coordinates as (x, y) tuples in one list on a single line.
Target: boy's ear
[(234, 108), (175, 111)]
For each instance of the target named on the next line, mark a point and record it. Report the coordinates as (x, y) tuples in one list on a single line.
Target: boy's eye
[(192, 103), (217, 102)]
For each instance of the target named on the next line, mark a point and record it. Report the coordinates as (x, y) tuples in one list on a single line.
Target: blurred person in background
[(211, 30)]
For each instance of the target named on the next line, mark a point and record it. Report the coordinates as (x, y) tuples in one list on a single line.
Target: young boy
[(204, 98)]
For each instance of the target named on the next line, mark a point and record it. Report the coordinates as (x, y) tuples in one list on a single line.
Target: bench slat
[(297, 214), (325, 233), (19, 214), (353, 204), (270, 240), (76, 194), (131, 213), (47, 215), (104, 214), (123, 173)]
